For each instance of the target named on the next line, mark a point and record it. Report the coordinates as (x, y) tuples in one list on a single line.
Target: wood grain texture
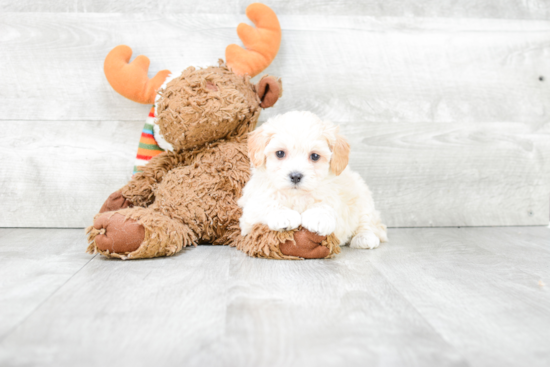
[(144, 312), (448, 118), (475, 290), (481, 174), (441, 297), (58, 174), (341, 312), (343, 68), (420, 175), (502, 9), (34, 264)]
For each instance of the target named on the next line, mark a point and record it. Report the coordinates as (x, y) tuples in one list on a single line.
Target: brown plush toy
[(188, 195)]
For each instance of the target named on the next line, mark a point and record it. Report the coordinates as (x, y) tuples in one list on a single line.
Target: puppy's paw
[(366, 240), (320, 220), (284, 220)]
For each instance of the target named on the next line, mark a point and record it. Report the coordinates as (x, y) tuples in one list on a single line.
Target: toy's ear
[(340, 155), (269, 89), (257, 141), (130, 79)]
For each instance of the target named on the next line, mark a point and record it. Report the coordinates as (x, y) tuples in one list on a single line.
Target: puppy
[(300, 177)]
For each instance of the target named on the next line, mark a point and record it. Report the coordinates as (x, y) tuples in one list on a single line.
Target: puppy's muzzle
[(295, 177)]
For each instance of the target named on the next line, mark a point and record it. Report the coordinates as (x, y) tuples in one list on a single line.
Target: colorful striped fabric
[(148, 147)]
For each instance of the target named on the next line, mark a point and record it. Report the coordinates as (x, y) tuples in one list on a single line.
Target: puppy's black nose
[(295, 177)]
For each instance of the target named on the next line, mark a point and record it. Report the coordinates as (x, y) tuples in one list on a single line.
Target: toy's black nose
[(295, 177)]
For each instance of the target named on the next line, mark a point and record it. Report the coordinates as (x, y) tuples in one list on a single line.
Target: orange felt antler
[(262, 43), (130, 79)]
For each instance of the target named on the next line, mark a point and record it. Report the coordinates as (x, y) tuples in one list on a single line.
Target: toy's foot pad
[(114, 202), (118, 233), (308, 245)]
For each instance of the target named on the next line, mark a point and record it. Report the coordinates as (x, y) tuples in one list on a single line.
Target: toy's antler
[(130, 79), (262, 43)]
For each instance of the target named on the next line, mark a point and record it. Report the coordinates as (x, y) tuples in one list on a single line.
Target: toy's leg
[(289, 245), (135, 233), (139, 191)]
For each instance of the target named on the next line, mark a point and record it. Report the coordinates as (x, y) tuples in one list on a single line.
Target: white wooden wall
[(446, 103)]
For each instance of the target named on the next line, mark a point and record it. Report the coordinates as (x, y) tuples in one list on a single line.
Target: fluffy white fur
[(329, 198)]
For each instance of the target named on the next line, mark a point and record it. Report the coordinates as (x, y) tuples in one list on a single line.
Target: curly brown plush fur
[(264, 243), (189, 196), (204, 105)]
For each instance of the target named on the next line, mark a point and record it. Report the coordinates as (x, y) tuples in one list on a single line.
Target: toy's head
[(205, 105)]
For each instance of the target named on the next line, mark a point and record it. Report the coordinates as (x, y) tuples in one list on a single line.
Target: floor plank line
[(431, 296), (14, 327)]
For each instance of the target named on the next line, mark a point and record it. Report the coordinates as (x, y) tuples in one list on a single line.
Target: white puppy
[(300, 177)]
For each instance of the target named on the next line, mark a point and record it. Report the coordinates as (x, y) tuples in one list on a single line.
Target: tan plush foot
[(117, 233), (306, 244), (137, 233), (114, 202), (296, 244)]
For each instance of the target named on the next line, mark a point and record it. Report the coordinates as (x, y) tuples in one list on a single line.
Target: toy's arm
[(139, 191)]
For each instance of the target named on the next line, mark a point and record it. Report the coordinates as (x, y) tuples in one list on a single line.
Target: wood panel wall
[(446, 103)]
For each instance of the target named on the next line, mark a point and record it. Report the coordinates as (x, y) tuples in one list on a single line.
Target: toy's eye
[(314, 156), (280, 154)]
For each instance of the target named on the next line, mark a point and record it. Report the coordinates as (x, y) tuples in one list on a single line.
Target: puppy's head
[(298, 150)]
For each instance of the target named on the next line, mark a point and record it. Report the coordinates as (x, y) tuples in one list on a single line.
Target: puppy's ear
[(269, 89), (257, 141), (340, 155)]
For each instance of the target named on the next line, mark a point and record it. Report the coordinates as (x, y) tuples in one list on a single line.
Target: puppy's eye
[(280, 154), (314, 156)]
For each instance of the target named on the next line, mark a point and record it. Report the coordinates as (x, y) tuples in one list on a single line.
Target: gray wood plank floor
[(432, 296)]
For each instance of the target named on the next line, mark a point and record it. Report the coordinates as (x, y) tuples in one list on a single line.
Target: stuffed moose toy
[(187, 194)]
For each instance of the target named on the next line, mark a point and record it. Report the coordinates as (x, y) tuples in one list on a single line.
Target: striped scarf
[(148, 147)]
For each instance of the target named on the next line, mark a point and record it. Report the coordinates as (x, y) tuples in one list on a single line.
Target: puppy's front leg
[(320, 219), (283, 219)]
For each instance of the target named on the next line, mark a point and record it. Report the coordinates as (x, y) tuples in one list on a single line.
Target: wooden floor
[(430, 297)]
